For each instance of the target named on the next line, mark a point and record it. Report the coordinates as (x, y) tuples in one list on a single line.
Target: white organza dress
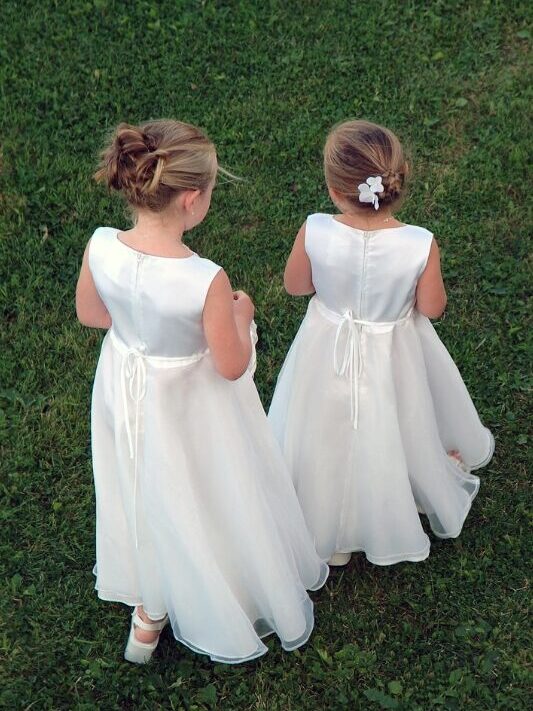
[(369, 401), (197, 515)]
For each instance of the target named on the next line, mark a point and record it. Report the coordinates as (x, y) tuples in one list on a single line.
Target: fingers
[(240, 295)]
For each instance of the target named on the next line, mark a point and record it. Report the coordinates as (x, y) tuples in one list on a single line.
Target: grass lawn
[(266, 80)]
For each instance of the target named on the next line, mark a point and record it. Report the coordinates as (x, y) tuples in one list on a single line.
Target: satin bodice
[(155, 303), (371, 274)]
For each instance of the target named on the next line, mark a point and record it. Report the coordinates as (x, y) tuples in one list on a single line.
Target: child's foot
[(144, 636), (339, 559), (455, 456)]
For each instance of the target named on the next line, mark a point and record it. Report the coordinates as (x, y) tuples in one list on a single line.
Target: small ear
[(189, 198), (336, 196)]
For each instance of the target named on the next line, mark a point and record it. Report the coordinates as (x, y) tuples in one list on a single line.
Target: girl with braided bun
[(197, 520), (372, 415)]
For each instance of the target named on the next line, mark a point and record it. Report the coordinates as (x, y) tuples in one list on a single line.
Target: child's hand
[(243, 306)]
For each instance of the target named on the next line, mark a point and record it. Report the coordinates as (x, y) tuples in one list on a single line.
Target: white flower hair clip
[(368, 190)]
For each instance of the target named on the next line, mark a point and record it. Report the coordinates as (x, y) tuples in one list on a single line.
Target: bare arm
[(226, 320), (90, 309), (298, 278), (430, 292)]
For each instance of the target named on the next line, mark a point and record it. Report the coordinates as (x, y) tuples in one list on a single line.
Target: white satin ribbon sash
[(133, 389), (348, 360)]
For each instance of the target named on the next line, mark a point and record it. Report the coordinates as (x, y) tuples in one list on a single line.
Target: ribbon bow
[(352, 360), (133, 383)]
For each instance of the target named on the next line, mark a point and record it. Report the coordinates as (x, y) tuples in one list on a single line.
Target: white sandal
[(339, 559), (140, 652)]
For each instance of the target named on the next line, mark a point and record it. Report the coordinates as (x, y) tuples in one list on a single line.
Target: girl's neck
[(368, 221), (165, 225), (159, 233)]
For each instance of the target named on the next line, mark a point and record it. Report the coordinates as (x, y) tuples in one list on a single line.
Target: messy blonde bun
[(151, 163), (357, 150)]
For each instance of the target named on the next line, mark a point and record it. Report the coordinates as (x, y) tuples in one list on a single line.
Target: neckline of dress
[(358, 229), (147, 254)]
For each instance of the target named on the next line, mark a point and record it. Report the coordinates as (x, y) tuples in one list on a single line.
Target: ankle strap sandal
[(141, 652)]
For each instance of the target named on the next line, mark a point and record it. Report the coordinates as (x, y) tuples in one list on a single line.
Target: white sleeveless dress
[(368, 401), (197, 515)]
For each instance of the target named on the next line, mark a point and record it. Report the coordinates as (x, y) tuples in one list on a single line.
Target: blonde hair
[(151, 163), (357, 150)]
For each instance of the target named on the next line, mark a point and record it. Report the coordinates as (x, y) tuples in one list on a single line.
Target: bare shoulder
[(301, 232), (219, 296), (434, 250), (220, 284)]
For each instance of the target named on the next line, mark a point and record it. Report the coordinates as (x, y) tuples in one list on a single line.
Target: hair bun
[(150, 141), (357, 151), (135, 163), (129, 141), (151, 163), (393, 183)]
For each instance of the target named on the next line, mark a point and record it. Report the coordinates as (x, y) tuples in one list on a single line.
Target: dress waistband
[(337, 317), (133, 388), (352, 363), (154, 360)]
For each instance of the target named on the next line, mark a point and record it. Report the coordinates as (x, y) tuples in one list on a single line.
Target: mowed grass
[(266, 80)]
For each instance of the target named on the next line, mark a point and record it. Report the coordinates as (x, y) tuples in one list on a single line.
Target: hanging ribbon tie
[(352, 362), (133, 368), (133, 384), (352, 359)]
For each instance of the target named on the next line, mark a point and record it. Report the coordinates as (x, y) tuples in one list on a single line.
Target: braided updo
[(151, 163), (357, 150)]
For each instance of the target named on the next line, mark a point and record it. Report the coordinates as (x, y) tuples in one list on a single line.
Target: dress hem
[(321, 579), (464, 514), (108, 596), (392, 559), (486, 460), (417, 557), (287, 646)]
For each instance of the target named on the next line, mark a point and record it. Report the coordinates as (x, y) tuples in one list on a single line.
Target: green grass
[(266, 82)]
